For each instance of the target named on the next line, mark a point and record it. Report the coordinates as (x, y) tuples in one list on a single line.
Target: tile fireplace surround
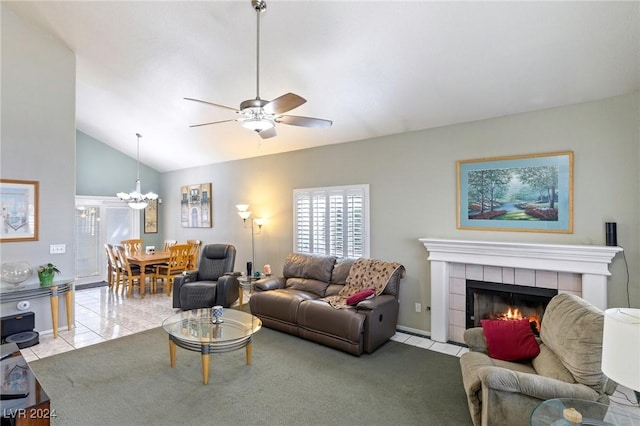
[(577, 269)]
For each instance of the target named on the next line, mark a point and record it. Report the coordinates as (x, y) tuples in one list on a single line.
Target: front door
[(100, 220)]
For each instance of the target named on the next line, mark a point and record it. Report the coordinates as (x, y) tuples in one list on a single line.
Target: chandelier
[(136, 199)]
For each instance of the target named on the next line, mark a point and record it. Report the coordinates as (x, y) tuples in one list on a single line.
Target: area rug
[(128, 381)]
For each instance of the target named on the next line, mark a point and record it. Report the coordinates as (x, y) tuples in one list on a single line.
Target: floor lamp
[(621, 347), (243, 211)]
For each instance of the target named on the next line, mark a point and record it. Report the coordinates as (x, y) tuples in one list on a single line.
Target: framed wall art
[(195, 206), (151, 217), (528, 193), (19, 203)]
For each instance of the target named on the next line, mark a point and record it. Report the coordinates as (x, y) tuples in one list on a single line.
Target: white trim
[(592, 262)]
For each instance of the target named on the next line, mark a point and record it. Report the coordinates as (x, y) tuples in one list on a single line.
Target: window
[(332, 220)]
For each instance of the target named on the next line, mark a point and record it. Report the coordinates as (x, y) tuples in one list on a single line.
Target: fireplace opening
[(487, 300)]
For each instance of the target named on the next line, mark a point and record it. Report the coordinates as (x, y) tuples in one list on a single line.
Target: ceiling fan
[(261, 115)]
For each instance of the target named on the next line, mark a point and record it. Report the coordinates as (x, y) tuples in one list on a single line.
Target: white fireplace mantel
[(591, 261)]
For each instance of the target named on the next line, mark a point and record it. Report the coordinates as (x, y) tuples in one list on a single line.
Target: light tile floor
[(101, 315)]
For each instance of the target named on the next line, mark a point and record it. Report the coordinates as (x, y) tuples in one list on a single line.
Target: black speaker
[(249, 269), (611, 233)]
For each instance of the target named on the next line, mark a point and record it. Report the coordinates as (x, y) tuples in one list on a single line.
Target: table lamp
[(621, 347)]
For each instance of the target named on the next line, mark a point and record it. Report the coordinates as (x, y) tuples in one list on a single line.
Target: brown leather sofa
[(291, 304)]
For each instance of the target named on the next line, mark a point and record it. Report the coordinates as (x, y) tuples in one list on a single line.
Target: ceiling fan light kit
[(260, 115)]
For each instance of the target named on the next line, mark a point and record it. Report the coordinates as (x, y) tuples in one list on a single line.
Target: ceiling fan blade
[(295, 120), (268, 133), (213, 122), (284, 103), (211, 103)]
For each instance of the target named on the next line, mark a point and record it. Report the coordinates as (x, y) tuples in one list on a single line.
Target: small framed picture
[(151, 217), (19, 202)]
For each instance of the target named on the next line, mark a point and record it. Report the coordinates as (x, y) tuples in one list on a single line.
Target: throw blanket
[(364, 273)]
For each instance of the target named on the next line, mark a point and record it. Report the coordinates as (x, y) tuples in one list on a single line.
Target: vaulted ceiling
[(374, 68)]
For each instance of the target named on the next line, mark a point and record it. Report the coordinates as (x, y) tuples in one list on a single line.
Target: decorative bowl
[(15, 272)]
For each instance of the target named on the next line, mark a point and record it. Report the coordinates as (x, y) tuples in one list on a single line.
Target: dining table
[(146, 259)]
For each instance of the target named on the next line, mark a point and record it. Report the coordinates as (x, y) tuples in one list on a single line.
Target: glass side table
[(246, 284), (568, 411)]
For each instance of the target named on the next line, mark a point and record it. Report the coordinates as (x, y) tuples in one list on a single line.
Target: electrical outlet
[(57, 249), (418, 307)]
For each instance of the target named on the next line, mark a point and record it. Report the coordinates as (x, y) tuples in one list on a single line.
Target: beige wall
[(38, 143), (412, 179)]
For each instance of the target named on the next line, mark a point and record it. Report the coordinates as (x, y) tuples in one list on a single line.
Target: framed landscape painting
[(19, 203), (529, 193)]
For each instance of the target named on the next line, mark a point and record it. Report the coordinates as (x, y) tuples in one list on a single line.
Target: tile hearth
[(101, 315)]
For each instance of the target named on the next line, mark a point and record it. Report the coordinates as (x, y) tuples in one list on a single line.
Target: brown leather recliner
[(291, 303)]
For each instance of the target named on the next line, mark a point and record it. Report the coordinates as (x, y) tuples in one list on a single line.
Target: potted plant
[(46, 273)]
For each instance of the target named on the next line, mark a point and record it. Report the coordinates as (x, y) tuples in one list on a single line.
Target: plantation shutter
[(332, 221)]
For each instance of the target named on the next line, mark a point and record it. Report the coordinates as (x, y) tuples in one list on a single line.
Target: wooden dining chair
[(113, 270), (133, 245), (130, 276), (176, 265), (194, 254), (169, 243)]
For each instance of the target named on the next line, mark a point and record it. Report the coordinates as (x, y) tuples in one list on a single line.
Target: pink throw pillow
[(510, 340), (355, 298)]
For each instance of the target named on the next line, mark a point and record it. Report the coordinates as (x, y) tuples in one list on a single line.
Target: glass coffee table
[(568, 411), (196, 330)]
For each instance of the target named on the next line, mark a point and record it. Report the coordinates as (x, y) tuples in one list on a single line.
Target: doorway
[(100, 221)]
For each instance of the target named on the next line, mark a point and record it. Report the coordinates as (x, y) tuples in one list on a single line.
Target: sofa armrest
[(178, 281), (227, 290), (376, 302), (534, 385), (381, 319), (475, 340), (269, 284)]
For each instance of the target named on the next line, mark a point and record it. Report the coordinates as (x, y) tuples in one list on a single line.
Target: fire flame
[(515, 314)]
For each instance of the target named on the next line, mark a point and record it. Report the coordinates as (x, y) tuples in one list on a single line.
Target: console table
[(36, 290)]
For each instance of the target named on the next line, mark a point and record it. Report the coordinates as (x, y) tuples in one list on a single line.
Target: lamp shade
[(621, 346)]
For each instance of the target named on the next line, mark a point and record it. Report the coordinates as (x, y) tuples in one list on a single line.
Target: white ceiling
[(374, 68)]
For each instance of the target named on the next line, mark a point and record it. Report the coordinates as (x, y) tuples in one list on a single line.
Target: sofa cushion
[(344, 324), (549, 365), (316, 267), (341, 270), (572, 329), (316, 287), (510, 340), (281, 304)]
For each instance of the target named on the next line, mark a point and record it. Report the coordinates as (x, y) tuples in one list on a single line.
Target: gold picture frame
[(19, 205), (523, 193)]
